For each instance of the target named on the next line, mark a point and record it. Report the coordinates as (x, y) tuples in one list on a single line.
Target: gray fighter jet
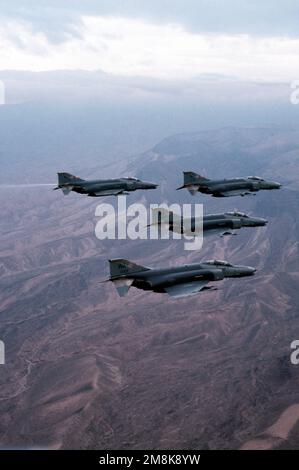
[(225, 187), (180, 281), (222, 224), (97, 188)]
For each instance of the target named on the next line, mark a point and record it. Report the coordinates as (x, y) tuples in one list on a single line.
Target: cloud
[(57, 18), (78, 87), (135, 47)]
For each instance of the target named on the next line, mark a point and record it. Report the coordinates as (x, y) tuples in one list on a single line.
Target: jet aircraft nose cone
[(250, 271), (261, 222), (245, 271), (275, 185), (150, 185), (254, 222)]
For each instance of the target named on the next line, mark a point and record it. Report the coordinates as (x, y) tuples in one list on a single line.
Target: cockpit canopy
[(238, 214), (132, 178), (217, 262), (255, 178)]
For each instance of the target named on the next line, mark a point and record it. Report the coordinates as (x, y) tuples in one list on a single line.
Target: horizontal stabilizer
[(66, 190), (192, 189), (122, 286)]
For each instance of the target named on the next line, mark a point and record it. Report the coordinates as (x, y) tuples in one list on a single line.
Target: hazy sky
[(110, 78), (163, 39)]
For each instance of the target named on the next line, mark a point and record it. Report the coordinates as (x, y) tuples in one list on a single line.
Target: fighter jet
[(225, 187), (180, 281), (222, 224), (97, 188)]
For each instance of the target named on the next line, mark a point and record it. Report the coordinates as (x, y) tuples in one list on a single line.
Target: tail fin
[(161, 215), (190, 178), (67, 178), (122, 267), (192, 181)]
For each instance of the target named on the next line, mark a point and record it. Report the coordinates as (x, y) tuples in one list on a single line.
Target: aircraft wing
[(236, 192), (186, 289), (107, 192)]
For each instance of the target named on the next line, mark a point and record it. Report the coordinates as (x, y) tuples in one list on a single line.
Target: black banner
[(141, 458)]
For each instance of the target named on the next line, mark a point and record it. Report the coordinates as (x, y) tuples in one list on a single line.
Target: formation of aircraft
[(188, 279)]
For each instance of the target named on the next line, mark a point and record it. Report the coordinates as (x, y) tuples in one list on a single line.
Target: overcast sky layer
[(258, 17), (105, 79), (248, 40)]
